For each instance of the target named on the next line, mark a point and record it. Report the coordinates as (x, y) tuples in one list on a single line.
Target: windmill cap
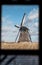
[(23, 27)]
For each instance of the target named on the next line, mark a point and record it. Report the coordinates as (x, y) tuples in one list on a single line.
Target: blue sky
[(13, 14)]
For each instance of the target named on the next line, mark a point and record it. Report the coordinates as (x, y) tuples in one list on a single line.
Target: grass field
[(19, 46)]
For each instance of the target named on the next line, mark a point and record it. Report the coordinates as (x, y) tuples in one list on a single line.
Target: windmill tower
[(24, 33)]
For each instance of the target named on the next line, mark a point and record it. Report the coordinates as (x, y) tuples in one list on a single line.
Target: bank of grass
[(19, 46)]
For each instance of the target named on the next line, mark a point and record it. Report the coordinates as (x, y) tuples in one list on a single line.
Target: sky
[(13, 14)]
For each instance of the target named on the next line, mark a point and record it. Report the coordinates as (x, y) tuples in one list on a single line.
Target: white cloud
[(3, 20), (33, 14), (9, 28), (34, 32), (36, 24), (8, 25), (8, 36), (9, 32), (35, 38)]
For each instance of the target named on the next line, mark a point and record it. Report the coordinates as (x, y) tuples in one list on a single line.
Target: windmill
[(24, 32)]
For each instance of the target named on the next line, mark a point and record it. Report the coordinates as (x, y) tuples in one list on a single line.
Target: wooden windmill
[(24, 32)]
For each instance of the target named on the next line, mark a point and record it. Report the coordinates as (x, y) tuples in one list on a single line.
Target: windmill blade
[(22, 19), (17, 26), (17, 36), (29, 37)]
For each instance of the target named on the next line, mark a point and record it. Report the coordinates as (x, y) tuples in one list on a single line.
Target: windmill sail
[(23, 19), (29, 37), (17, 36)]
